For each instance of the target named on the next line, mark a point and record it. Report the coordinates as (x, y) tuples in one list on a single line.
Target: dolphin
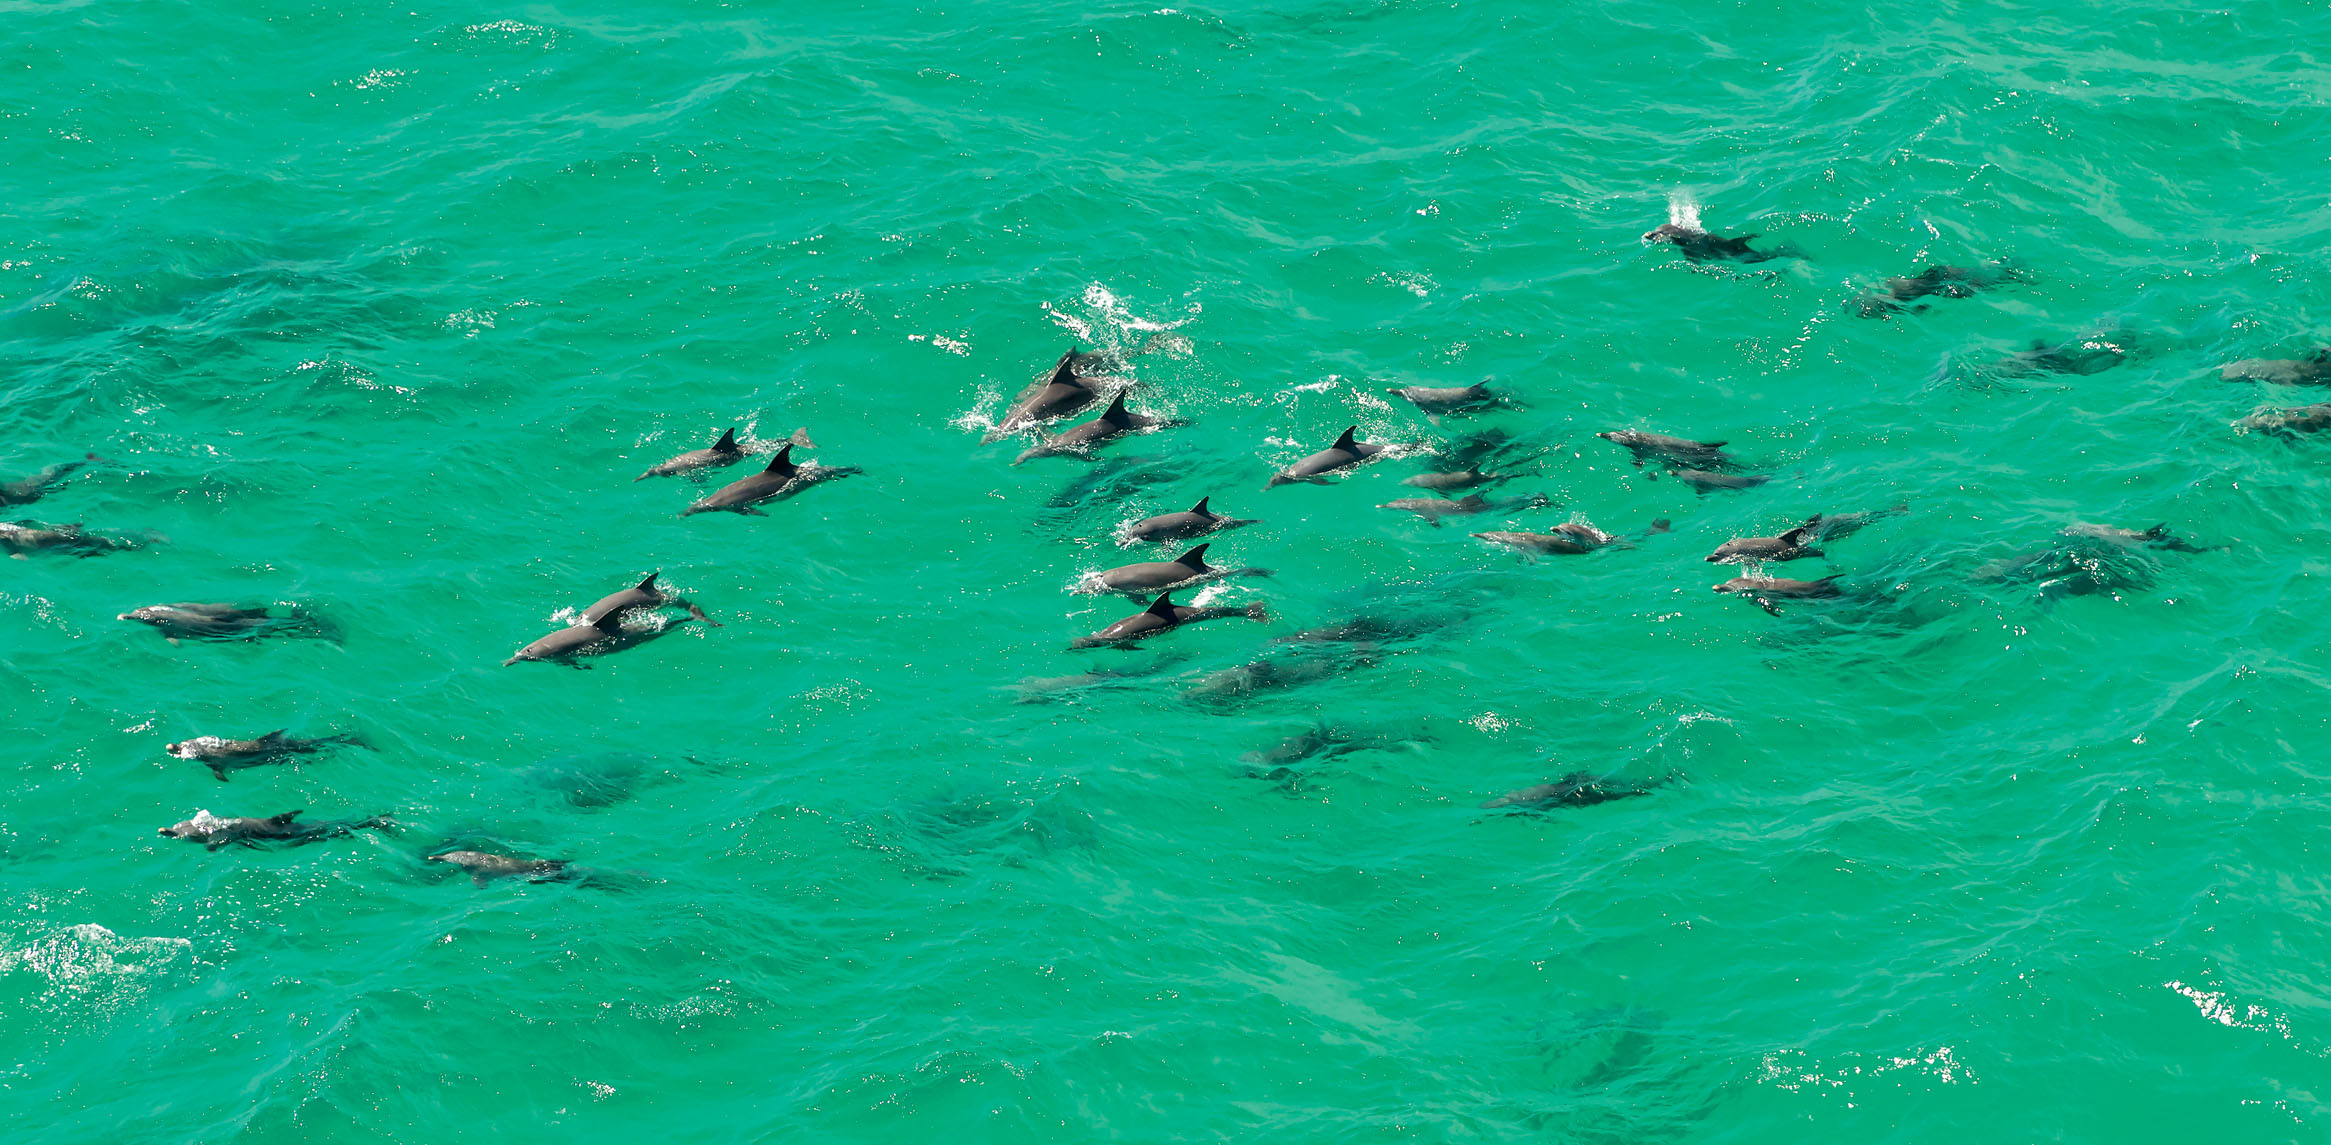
[(1063, 391), (2081, 356), (225, 755), (22, 537), (1668, 450), (2312, 370), (216, 621), (1161, 615), (2158, 537), (1114, 422), (1830, 526), (1196, 521), (214, 832), (1706, 481), (1344, 454), (1155, 576), (485, 866), (1311, 663), (1446, 399), (2285, 423), (722, 452), (1701, 246), (780, 480), (25, 491), (1765, 589), (1944, 281), (572, 641), (645, 594), (1573, 539), (1432, 509), (1789, 546), (1577, 789), (1461, 479)]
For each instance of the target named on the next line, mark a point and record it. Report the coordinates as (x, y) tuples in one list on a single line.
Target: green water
[(378, 311)]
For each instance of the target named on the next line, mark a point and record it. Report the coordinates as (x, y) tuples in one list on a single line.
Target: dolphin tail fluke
[(284, 820), (698, 613)]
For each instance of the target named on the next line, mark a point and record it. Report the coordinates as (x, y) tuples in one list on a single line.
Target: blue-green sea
[(373, 313)]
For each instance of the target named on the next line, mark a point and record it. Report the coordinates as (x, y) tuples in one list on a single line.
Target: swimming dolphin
[(26, 490), (1765, 589), (1943, 281), (1792, 545), (1446, 399), (645, 594), (1311, 663), (1461, 479), (1577, 789), (1161, 615), (485, 866), (22, 537), (1432, 509), (1344, 454), (2286, 423), (1701, 246), (1114, 422), (1705, 481), (1573, 539), (1196, 521), (572, 641), (1830, 526), (2312, 370), (1154, 576), (780, 480), (1668, 450), (722, 452), (2081, 356), (2158, 537), (214, 832), (1062, 392), (217, 621), (225, 755)]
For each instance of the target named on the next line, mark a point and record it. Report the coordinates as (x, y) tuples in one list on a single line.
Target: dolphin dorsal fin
[(783, 462), (284, 819), (727, 442), (1200, 508), (1195, 558), (1062, 375), (1345, 442), (275, 736), (1162, 606), (1116, 411), (649, 585)]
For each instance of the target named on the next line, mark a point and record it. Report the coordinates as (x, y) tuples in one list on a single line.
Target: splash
[(1683, 209)]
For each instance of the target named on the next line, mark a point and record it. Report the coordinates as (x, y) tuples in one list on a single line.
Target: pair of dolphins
[(600, 631), (780, 479)]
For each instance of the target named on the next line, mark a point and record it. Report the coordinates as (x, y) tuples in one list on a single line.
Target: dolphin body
[(1701, 246), (2312, 370), (2283, 423), (1196, 521), (1164, 576), (22, 537), (214, 832), (225, 755), (1830, 526), (1114, 422), (27, 490), (1574, 539), (1460, 479), (2158, 537), (1344, 454), (645, 594), (1792, 545), (1446, 399), (216, 621), (1432, 509), (1945, 281), (1577, 789), (1163, 614), (486, 866), (1668, 450), (1765, 589), (1707, 481), (723, 452), (780, 480)]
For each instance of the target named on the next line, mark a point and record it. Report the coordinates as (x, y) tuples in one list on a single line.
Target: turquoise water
[(377, 312)]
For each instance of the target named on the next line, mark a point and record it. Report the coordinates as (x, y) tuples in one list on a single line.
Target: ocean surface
[(375, 312)]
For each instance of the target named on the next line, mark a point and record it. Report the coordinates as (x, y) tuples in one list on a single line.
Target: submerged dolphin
[(2312, 370), (1943, 281), (1432, 509), (485, 866), (2286, 423), (218, 621), (1706, 481), (1196, 521), (1792, 545), (1573, 539), (645, 594), (1446, 399), (1668, 450), (24, 491), (1766, 589), (1461, 479), (722, 452), (1163, 614), (1114, 422), (780, 480), (1345, 453), (214, 832), (1577, 789), (225, 755), (1830, 526), (1153, 576)]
